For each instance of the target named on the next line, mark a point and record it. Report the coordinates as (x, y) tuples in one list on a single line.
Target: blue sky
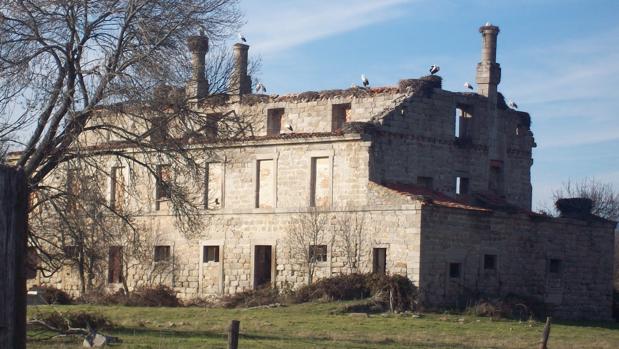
[(559, 59)]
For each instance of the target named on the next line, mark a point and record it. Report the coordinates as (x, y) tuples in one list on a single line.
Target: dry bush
[(252, 298), (52, 295), (395, 292), (509, 307), (158, 296)]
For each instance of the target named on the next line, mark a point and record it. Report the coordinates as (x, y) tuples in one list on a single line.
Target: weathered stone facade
[(441, 179)]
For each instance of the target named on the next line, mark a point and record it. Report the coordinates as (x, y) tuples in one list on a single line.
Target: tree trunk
[(13, 241)]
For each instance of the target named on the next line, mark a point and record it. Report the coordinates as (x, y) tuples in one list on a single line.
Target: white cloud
[(274, 26)]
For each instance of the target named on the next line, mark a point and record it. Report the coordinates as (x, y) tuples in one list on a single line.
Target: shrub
[(510, 306), (158, 296), (252, 298), (52, 295), (392, 292)]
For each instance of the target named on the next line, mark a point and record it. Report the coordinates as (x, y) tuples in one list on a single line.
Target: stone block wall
[(562, 262)]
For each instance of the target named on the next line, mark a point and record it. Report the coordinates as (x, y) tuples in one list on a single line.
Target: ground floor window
[(379, 260), (210, 254), (318, 253), (162, 253), (455, 270)]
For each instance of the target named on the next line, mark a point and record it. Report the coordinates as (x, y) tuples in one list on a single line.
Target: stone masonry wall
[(578, 286)]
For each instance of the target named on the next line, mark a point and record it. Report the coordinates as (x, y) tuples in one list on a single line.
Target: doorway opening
[(262, 265)]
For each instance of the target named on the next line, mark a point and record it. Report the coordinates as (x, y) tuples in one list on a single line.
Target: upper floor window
[(213, 191), (159, 129), (320, 182), (274, 121), (163, 182), (117, 188), (462, 185), (211, 129), (340, 114), (426, 182), (265, 177), (463, 119)]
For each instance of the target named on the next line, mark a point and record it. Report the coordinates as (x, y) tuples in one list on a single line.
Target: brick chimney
[(240, 82), (197, 87), (488, 70)]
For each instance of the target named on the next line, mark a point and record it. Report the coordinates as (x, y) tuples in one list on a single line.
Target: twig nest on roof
[(574, 207)]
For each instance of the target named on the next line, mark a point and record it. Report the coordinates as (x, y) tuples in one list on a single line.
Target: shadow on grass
[(609, 325), (252, 337)]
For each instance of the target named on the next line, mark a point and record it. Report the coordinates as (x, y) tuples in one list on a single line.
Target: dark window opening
[(262, 265), (490, 262), (159, 129), (496, 178), (455, 270), (274, 121), (162, 253), (210, 254), (463, 118), (211, 129), (117, 189), (340, 114), (115, 264), (462, 185), (554, 266), (379, 260), (426, 182), (318, 253), (164, 177), (70, 251)]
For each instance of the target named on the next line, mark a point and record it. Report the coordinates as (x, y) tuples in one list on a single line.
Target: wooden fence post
[(13, 228), (545, 334), (233, 334)]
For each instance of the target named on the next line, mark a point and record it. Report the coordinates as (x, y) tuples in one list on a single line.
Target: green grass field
[(314, 326)]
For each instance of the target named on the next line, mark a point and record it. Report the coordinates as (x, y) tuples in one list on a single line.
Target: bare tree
[(309, 236), (96, 81), (350, 232), (604, 196)]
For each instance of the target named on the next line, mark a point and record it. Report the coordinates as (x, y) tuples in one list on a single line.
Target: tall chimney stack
[(240, 82), (488, 70), (197, 87)]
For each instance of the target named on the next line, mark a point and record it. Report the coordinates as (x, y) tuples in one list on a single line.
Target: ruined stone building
[(442, 180)]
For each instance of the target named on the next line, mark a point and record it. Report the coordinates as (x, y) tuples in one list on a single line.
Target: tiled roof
[(433, 197)]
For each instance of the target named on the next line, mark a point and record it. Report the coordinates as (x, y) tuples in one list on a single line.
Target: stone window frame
[(252, 252), (220, 243), (111, 183), (330, 154), (222, 203), (273, 156)]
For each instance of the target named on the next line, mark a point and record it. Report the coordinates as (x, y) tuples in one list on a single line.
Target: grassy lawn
[(313, 326)]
